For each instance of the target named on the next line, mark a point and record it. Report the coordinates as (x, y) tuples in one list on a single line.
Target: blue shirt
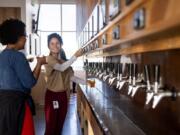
[(15, 72)]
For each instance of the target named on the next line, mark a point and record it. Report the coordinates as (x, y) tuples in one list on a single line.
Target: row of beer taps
[(114, 75)]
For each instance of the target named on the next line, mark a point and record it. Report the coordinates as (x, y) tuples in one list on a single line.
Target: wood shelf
[(145, 34), (134, 6), (138, 41), (158, 26)]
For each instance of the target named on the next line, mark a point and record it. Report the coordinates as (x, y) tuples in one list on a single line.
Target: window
[(49, 17), (61, 19), (68, 17)]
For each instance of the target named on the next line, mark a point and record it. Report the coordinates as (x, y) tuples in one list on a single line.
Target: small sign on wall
[(114, 8)]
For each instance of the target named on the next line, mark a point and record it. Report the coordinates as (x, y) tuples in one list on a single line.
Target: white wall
[(28, 16)]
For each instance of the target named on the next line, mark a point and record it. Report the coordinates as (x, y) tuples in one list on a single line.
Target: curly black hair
[(11, 30), (55, 35)]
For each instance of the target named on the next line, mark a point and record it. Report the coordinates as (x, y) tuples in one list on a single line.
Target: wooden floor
[(71, 125)]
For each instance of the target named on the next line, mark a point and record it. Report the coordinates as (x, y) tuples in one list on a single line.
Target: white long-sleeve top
[(62, 67)]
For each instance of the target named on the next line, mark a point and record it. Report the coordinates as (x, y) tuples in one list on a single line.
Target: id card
[(55, 104)]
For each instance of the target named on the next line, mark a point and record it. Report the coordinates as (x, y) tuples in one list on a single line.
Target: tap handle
[(134, 73), (97, 64), (130, 69), (116, 67), (108, 67), (157, 73), (120, 68), (90, 65), (105, 66), (147, 72), (111, 66), (86, 62), (100, 66)]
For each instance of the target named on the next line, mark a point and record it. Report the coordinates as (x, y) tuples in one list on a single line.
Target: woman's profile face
[(22, 42), (54, 45)]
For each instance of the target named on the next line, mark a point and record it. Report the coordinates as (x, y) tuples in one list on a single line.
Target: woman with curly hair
[(16, 81)]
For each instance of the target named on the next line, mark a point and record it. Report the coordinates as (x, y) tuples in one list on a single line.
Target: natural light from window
[(60, 19)]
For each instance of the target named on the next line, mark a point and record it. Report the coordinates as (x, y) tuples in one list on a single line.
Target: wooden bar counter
[(105, 110)]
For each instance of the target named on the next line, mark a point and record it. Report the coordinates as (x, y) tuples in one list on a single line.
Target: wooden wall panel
[(84, 10), (9, 12)]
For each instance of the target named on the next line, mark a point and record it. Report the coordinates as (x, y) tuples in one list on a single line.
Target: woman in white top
[(56, 98)]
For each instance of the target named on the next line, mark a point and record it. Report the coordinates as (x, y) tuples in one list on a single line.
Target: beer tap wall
[(148, 59), (167, 76)]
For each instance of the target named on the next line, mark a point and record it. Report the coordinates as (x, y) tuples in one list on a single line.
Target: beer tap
[(107, 75), (92, 70), (162, 94), (149, 91), (85, 65), (103, 70), (128, 79), (159, 91), (156, 85), (95, 68), (131, 76), (114, 73), (138, 81), (88, 67), (99, 69), (111, 68), (119, 75)]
